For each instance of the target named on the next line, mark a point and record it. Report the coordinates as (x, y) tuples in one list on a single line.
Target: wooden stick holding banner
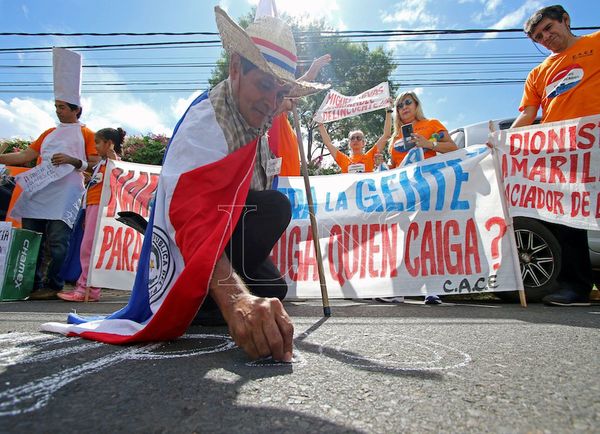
[(311, 212), (507, 217)]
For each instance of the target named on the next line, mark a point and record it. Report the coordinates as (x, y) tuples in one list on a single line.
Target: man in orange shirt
[(565, 86)]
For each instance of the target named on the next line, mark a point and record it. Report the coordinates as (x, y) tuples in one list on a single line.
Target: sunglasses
[(357, 138), (406, 103)]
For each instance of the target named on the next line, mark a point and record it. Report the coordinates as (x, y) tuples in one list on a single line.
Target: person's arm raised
[(387, 131), (315, 68), (327, 140)]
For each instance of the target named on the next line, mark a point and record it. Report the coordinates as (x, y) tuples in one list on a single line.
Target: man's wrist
[(84, 165)]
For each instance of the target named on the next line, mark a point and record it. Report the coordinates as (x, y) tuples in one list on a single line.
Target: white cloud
[(310, 10), (127, 111), (134, 116), (516, 18), (28, 118), (25, 10), (25, 118), (491, 6), (412, 14), (181, 105)]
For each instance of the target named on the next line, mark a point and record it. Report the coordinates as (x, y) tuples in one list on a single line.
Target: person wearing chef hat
[(51, 207)]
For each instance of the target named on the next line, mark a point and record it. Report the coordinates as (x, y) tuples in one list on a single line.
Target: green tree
[(148, 149), (354, 69)]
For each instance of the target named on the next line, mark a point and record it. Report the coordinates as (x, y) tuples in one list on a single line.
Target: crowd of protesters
[(242, 107)]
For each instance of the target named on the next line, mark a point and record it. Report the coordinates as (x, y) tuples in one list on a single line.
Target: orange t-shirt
[(88, 139), (283, 143), (95, 190), (566, 85), (426, 128), (367, 160)]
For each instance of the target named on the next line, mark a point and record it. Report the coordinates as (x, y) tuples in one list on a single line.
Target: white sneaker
[(397, 299)]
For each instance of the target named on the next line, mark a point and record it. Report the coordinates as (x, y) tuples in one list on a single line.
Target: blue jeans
[(56, 234)]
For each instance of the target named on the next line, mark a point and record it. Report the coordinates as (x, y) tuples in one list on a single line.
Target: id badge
[(274, 166), (356, 168)]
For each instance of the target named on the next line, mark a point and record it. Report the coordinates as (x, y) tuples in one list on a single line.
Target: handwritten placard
[(41, 175)]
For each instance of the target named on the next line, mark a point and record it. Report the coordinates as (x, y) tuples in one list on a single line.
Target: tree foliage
[(354, 68), (148, 149), (145, 149)]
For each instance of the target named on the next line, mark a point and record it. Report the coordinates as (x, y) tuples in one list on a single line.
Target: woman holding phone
[(428, 134), (412, 129)]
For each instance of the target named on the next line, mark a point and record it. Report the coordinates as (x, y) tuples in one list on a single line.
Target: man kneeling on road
[(215, 222)]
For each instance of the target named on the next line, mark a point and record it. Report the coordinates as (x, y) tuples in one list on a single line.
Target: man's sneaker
[(566, 297), (398, 299), (433, 299), (43, 294)]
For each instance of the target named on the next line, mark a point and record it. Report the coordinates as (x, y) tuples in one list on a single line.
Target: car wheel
[(539, 259)]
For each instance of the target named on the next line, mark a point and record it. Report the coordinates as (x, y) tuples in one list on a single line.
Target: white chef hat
[(67, 75)]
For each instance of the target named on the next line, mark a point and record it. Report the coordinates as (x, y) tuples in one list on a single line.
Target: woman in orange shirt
[(428, 134), (358, 161), (108, 144)]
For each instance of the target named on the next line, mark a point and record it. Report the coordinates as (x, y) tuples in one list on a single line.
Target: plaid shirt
[(238, 133)]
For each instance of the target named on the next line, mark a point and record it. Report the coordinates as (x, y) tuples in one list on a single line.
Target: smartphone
[(407, 131)]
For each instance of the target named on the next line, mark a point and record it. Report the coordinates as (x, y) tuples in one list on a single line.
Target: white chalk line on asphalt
[(37, 393), (440, 359)]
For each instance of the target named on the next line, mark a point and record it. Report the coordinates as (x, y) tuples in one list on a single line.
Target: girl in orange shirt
[(428, 134), (108, 144), (358, 161)]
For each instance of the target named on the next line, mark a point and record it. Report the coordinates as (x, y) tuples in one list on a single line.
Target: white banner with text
[(435, 227), (336, 106), (117, 247), (551, 171)]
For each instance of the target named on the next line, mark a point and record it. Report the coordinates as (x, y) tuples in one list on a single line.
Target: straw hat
[(269, 44)]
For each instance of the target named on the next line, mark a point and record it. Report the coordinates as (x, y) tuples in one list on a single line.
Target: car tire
[(539, 259)]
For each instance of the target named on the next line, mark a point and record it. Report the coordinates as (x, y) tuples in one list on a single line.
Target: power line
[(309, 33), (301, 37)]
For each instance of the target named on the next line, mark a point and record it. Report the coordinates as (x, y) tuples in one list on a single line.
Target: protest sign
[(336, 106), (435, 227), (551, 173), (117, 247), (41, 175)]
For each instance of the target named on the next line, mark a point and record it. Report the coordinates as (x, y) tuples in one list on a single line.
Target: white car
[(539, 250)]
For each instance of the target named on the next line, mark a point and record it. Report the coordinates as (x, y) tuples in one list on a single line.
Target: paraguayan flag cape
[(200, 195)]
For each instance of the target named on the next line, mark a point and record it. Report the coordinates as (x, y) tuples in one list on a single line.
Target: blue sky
[(26, 110)]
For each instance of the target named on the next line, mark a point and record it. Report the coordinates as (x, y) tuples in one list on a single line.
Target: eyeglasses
[(356, 138), (407, 102)]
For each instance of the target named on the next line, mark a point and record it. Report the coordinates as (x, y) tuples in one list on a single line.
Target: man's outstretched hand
[(260, 326)]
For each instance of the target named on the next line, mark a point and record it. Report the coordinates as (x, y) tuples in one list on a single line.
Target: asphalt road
[(371, 367)]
